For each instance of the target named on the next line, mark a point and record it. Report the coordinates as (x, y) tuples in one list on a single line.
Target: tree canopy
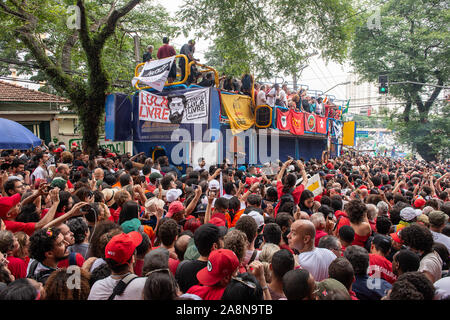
[(269, 37), (412, 46)]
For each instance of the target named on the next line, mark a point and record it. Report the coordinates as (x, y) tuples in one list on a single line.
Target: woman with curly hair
[(236, 241), (357, 219), (65, 284)]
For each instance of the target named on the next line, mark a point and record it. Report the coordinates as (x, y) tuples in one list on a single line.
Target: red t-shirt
[(207, 292), (115, 214), (78, 259), (319, 234), (296, 194), (173, 265), (285, 246), (165, 51), (381, 267), (17, 266), (15, 226), (57, 214)]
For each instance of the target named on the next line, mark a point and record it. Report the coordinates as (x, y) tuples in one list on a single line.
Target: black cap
[(201, 207)]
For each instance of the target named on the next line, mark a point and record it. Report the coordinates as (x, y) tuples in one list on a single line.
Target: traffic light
[(383, 84)]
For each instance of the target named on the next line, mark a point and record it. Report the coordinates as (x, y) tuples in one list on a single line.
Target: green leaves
[(269, 37)]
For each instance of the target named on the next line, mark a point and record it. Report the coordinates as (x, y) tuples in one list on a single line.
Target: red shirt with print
[(381, 267)]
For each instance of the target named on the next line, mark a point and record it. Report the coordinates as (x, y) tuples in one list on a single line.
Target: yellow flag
[(239, 111)]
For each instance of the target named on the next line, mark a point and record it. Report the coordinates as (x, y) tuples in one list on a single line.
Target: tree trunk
[(426, 152)]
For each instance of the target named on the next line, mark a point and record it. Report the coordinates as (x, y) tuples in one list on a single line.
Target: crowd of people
[(271, 95), (122, 227)]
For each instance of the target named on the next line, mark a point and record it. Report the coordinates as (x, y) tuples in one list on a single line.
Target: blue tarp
[(13, 135)]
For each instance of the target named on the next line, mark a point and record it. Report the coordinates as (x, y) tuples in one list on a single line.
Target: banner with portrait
[(155, 73), (188, 107)]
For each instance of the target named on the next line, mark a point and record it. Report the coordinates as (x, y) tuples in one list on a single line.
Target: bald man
[(99, 174), (315, 260), (181, 245)]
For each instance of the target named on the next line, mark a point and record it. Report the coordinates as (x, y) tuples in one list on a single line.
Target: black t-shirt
[(206, 83), (186, 274)]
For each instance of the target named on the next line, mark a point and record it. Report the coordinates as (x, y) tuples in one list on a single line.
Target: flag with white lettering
[(155, 73), (188, 107)]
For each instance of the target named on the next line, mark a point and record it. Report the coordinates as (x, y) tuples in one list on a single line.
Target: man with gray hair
[(372, 212), (148, 55), (383, 208)]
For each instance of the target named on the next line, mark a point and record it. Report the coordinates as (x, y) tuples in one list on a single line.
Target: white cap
[(257, 216), (173, 194), (214, 184), (408, 213)]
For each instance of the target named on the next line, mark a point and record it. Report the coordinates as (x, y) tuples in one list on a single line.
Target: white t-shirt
[(248, 256), (271, 100), (39, 173), (283, 97), (317, 262), (102, 289), (432, 263), (261, 98), (441, 238)]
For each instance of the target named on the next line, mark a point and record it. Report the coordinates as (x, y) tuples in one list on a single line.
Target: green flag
[(346, 107)]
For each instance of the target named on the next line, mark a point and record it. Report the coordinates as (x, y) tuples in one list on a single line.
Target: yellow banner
[(239, 111), (349, 130)]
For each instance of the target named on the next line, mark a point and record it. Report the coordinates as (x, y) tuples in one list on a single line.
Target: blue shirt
[(368, 288)]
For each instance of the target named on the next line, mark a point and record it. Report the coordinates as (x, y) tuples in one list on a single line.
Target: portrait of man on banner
[(177, 106)]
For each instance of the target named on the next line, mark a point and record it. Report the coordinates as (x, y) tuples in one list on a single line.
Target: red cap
[(419, 203), (221, 263), (74, 144), (363, 187), (217, 222), (395, 236), (58, 150), (6, 203), (318, 198), (330, 165), (174, 207), (121, 247)]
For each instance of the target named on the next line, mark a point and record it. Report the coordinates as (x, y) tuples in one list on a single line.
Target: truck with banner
[(189, 122)]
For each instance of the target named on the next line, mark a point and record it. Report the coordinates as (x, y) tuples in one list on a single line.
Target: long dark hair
[(306, 194), (130, 210)]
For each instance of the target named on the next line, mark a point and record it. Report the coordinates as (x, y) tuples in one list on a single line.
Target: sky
[(317, 75)]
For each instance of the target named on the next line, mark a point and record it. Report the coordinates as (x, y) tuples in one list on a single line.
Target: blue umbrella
[(13, 135)]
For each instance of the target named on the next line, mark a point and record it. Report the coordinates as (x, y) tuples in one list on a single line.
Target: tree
[(269, 37), (412, 47), (82, 56)]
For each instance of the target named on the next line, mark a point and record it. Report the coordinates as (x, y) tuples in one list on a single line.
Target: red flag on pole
[(283, 121), (296, 120), (321, 123)]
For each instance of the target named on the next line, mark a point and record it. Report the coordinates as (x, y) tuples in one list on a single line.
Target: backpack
[(121, 285), (42, 276)]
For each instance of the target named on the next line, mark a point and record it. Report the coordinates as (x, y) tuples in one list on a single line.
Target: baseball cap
[(221, 263), (174, 207), (419, 203), (259, 219), (330, 165), (214, 184), (201, 207), (173, 194), (217, 222), (437, 218), (59, 182), (325, 286), (121, 247), (396, 237), (74, 144), (131, 225), (6, 203), (155, 175), (408, 213)]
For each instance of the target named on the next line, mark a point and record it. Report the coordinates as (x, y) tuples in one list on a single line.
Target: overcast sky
[(318, 75)]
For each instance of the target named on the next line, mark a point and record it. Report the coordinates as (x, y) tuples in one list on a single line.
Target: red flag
[(310, 122), (296, 120), (321, 123), (283, 122)]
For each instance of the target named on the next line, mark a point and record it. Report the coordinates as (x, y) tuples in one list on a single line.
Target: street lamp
[(339, 84)]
